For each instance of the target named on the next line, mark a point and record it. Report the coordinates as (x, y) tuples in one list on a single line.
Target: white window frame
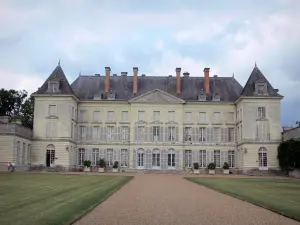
[(188, 134), (231, 158), (124, 115), (217, 117), (80, 156), (51, 128), (188, 158), (96, 116), (216, 135), (124, 158), (95, 156), (156, 133), (202, 134), (82, 132), (217, 158), (262, 158), (125, 133), (171, 134), (110, 157), (230, 131), (111, 133), (202, 158), (156, 115), (188, 116), (141, 115), (82, 115), (141, 133), (261, 112), (202, 117), (96, 132), (110, 116), (171, 115), (52, 110)]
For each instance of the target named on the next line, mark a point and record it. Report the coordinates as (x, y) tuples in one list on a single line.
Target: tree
[(11, 102), (298, 123), (27, 112)]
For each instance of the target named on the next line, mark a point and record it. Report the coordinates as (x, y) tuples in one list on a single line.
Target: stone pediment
[(157, 96)]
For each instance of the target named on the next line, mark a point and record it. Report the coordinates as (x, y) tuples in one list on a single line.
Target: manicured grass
[(52, 198), (279, 195)]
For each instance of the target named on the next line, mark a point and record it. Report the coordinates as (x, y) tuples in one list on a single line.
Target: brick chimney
[(206, 80), (178, 70), (107, 79), (135, 80)]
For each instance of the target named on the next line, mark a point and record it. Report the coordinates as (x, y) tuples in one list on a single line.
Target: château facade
[(157, 122)]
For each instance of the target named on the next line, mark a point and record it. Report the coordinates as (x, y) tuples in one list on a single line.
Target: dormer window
[(98, 95), (216, 96), (260, 88), (202, 96), (111, 95), (53, 86)]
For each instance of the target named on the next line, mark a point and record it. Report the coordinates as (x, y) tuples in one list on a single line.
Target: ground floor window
[(124, 158), (231, 158), (262, 157), (171, 158), (188, 158), (95, 156), (81, 152), (202, 158), (109, 157), (217, 158), (156, 158), (140, 158)]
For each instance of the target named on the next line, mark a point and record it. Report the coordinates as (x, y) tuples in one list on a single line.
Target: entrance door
[(140, 159), (262, 159), (156, 160), (171, 159), (50, 156)]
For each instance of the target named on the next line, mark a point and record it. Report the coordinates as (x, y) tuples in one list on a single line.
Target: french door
[(140, 159), (171, 159), (263, 159), (155, 160)]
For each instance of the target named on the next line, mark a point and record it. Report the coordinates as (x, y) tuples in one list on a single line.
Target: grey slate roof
[(85, 87), (257, 76), (57, 74)]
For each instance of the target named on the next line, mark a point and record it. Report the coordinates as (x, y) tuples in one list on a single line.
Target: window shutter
[(198, 135), (176, 134), (161, 133), (119, 135), (164, 159), (114, 155), (194, 134), (209, 134), (166, 135), (134, 159), (223, 133), (226, 134), (178, 158), (104, 134), (151, 133)]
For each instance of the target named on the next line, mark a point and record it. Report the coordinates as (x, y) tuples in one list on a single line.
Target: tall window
[(231, 117), (73, 112), (96, 133), (82, 132), (261, 112), (110, 133), (124, 158), (217, 158), (81, 152), (82, 116), (171, 133), (52, 110), (51, 128), (141, 133), (202, 158), (217, 134), (171, 115), (230, 134), (95, 156), (231, 158), (187, 134), (111, 116), (202, 116), (156, 115), (109, 157), (188, 158), (141, 115), (262, 157), (217, 117), (156, 132), (202, 133), (125, 133), (262, 132), (124, 116), (171, 159), (188, 116), (261, 89), (156, 159), (96, 116)]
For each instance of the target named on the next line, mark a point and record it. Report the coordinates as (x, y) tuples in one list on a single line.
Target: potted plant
[(116, 167), (101, 165), (225, 168), (87, 165), (196, 168), (211, 168)]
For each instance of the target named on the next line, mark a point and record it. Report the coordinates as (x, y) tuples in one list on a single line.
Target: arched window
[(50, 155), (262, 158), (140, 158), (171, 159), (156, 159)]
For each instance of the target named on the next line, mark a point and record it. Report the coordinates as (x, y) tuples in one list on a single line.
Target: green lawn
[(279, 195), (52, 198)]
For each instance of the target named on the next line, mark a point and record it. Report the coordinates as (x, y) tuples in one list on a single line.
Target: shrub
[(211, 166), (116, 165), (196, 166), (87, 163), (225, 166), (102, 163)]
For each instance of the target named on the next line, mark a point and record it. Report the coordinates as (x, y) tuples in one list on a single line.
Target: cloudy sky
[(157, 36)]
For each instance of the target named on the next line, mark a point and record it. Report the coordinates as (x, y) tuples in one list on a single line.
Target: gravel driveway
[(171, 200)]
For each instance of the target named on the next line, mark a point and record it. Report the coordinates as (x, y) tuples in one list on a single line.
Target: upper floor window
[(73, 112), (171, 133), (171, 115), (217, 134), (51, 129), (230, 134), (261, 113), (231, 117), (188, 116), (187, 134), (202, 134), (96, 116), (52, 110), (110, 133), (82, 132), (217, 117), (125, 133), (110, 115), (53, 86), (261, 88), (156, 115), (202, 116), (156, 132), (124, 116), (141, 115), (141, 133), (82, 115)]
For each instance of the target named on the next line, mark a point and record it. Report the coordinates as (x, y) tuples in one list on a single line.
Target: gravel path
[(171, 200)]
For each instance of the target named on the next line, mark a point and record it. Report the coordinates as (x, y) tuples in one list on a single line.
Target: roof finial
[(255, 64), (59, 62), (233, 74), (80, 73)]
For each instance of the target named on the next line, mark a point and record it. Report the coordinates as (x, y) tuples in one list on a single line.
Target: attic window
[(261, 88), (98, 95), (216, 96), (53, 86), (202, 96), (111, 95)]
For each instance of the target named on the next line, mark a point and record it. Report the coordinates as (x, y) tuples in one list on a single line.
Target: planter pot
[(101, 170), (115, 170), (211, 172), (87, 169), (196, 171), (226, 171)]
